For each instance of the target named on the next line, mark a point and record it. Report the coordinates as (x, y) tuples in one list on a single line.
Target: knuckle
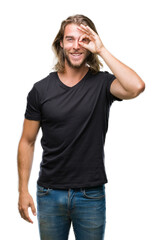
[(23, 208)]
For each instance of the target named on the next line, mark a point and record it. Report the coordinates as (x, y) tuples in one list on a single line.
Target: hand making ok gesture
[(90, 40)]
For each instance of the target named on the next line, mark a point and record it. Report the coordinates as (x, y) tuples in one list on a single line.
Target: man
[(71, 105)]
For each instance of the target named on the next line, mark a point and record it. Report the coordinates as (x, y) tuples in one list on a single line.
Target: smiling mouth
[(76, 54)]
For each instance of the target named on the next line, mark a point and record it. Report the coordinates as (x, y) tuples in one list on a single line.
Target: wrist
[(23, 190), (23, 193), (101, 51)]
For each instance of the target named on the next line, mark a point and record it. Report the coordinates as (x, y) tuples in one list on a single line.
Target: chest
[(60, 105)]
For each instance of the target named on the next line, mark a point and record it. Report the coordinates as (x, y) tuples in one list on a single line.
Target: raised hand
[(90, 40)]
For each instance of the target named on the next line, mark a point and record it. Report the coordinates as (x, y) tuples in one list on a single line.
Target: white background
[(131, 31)]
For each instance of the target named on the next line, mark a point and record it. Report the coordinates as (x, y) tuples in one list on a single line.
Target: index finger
[(88, 29), (82, 29)]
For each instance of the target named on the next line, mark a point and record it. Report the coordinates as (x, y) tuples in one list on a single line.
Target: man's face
[(75, 55)]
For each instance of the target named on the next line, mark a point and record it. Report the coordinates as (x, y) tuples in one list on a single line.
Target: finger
[(82, 29), (91, 31), (84, 45), (85, 37), (88, 30), (33, 208), (26, 216), (22, 214)]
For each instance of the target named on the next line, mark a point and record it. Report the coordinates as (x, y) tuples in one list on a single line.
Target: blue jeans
[(85, 208)]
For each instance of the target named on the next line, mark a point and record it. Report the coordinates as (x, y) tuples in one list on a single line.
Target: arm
[(127, 83), (24, 161)]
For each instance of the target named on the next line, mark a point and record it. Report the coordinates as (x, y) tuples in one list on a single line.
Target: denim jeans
[(85, 208)]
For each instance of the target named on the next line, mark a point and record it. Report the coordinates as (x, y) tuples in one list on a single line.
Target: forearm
[(24, 161), (127, 77)]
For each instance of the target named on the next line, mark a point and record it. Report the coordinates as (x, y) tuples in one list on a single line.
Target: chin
[(75, 64)]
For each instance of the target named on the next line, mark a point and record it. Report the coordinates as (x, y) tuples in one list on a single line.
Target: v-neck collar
[(72, 87)]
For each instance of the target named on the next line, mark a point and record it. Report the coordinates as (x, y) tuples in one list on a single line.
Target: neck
[(75, 73)]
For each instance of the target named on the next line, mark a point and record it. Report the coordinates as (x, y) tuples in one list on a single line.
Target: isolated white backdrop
[(131, 31)]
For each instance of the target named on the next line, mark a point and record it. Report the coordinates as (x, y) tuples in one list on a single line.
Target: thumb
[(33, 208)]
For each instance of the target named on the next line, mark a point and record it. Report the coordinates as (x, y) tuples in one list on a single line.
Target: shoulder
[(44, 83), (102, 74)]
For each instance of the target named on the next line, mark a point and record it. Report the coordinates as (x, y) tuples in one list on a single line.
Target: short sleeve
[(109, 79), (33, 110)]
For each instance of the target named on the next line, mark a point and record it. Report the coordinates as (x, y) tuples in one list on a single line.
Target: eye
[(69, 39), (85, 40)]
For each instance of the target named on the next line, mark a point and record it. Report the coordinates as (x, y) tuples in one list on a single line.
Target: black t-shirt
[(74, 122)]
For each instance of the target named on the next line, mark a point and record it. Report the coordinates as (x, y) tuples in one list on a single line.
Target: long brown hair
[(92, 60)]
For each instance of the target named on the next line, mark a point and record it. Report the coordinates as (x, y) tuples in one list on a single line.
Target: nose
[(76, 44)]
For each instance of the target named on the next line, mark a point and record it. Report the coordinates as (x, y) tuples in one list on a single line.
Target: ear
[(61, 44)]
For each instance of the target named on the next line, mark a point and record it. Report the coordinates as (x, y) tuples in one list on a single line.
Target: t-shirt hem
[(115, 98), (32, 118), (56, 186)]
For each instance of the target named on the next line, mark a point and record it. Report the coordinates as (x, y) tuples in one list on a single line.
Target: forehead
[(72, 30)]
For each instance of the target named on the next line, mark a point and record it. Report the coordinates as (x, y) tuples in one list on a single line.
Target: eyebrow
[(69, 37)]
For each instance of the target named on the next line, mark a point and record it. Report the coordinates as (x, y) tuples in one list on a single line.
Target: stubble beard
[(75, 66)]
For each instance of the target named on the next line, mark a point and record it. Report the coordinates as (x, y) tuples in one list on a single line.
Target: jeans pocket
[(94, 192), (42, 191)]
